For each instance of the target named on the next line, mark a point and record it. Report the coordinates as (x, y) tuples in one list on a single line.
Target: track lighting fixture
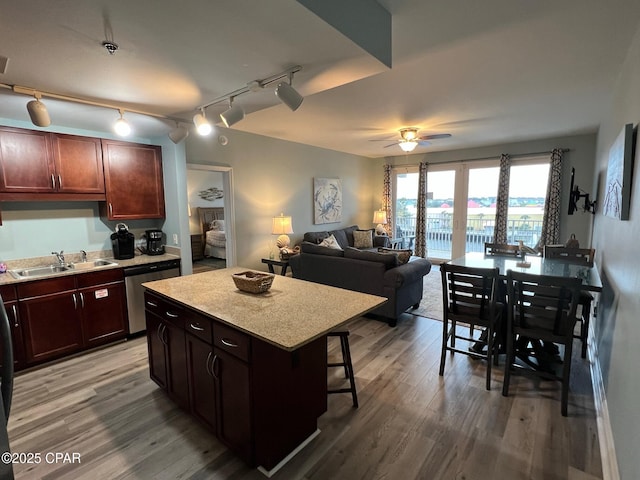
[(179, 133), (289, 95), (38, 112), (233, 115), (121, 127), (202, 124)]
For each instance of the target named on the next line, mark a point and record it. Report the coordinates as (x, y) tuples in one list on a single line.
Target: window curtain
[(502, 201), (386, 200), (421, 218), (550, 233)]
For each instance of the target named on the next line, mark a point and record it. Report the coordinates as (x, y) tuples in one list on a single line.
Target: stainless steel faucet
[(83, 254), (59, 256)]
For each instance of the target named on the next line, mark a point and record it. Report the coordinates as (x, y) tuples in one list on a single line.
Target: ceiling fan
[(410, 139)]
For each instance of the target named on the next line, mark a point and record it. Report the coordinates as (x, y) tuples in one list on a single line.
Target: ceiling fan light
[(409, 134), (289, 96), (232, 116), (202, 125), (38, 113), (122, 127), (408, 145)]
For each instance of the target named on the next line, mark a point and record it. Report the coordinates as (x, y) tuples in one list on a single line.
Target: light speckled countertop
[(292, 313)]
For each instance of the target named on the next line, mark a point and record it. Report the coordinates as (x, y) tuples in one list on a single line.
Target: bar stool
[(346, 364)]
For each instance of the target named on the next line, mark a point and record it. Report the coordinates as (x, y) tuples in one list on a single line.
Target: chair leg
[(490, 352), (445, 340), (507, 366), (584, 328), (566, 373)]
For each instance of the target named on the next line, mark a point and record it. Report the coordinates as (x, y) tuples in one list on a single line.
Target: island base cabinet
[(156, 350), (202, 388)]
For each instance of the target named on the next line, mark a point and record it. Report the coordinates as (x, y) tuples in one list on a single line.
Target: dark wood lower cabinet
[(103, 313), (259, 400), (8, 294)]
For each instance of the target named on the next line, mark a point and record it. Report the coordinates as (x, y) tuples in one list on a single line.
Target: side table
[(283, 264)]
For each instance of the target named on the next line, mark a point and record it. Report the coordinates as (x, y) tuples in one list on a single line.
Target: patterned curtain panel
[(421, 218), (386, 199), (550, 233), (502, 201)]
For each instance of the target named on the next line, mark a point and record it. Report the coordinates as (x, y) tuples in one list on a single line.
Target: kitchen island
[(251, 367)]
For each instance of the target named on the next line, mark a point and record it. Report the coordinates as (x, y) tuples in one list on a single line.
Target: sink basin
[(39, 271), (90, 265)]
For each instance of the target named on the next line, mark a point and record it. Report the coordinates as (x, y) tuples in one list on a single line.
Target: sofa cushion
[(341, 238), (308, 247), (330, 242), (403, 256), (363, 238), (315, 237), (387, 259)]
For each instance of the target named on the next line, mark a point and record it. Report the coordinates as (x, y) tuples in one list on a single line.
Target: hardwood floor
[(411, 424)]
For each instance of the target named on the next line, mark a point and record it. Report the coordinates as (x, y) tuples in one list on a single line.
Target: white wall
[(616, 243), (273, 176)]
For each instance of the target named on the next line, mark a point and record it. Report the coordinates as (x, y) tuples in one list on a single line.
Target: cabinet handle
[(228, 343), (213, 367), (82, 299), (75, 301), (53, 181), (152, 304), (165, 336), (159, 333), (209, 370), (171, 315), (196, 328), (59, 181), (15, 316), (110, 209)]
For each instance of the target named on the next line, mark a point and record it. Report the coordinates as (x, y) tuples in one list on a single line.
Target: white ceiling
[(487, 72)]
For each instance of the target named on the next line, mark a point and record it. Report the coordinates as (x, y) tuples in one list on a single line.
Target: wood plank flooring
[(411, 424)]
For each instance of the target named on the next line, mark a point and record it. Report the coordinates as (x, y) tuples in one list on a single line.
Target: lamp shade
[(282, 226), (380, 216), (289, 96), (38, 113)]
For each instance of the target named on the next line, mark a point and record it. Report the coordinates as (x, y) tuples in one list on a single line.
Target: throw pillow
[(308, 247), (362, 239), (330, 242), (403, 256)]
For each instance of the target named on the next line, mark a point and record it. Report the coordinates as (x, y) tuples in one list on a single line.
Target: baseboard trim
[(605, 434)]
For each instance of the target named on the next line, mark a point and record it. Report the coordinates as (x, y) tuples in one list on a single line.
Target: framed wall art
[(617, 193), (327, 200)]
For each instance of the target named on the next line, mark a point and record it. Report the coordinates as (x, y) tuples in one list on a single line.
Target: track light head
[(38, 112), (202, 124), (233, 115), (289, 96), (179, 133), (121, 126)]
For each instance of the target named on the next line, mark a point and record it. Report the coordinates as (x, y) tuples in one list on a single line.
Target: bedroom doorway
[(211, 217)]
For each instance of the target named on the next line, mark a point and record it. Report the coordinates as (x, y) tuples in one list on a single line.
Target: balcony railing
[(479, 231)]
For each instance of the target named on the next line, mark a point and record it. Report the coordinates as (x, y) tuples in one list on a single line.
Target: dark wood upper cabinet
[(133, 181), (36, 165)]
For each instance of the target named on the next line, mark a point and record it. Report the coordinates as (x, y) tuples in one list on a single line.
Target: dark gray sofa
[(363, 271)]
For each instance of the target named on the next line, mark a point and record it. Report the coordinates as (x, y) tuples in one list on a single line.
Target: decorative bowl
[(253, 282)]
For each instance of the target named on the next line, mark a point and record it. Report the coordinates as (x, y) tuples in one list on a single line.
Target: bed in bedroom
[(213, 232)]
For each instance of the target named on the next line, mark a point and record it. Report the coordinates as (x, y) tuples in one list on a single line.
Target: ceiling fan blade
[(435, 136), (391, 145), (423, 143)]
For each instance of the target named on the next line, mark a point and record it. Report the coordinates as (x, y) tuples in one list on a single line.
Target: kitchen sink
[(39, 271), (90, 265)]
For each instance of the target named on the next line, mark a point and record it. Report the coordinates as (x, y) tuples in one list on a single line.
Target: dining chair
[(578, 256), (541, 311), (469, 296), (503, 249)]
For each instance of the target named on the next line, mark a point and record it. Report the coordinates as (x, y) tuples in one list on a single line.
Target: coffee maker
[(154, 242), (122, 242)]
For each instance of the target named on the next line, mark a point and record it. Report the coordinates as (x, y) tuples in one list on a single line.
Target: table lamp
[(380, 217), (282, 226)]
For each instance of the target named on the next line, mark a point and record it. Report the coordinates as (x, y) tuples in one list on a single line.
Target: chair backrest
[(580, 256), (503, 249), (543, 305), (468, 293)]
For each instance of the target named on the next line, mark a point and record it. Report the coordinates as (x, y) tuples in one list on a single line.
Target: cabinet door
[(201, 383), (233, 402), (16, 335), (156, 349), (26, 164), (78, 164), (103, 313), (51, 326), (178, 385), (133, 180)]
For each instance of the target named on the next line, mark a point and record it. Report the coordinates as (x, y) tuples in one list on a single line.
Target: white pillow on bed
[(217, 225)]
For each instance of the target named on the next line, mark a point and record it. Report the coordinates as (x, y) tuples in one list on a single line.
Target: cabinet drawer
[(37, 288), (232, 341), (8, 293), (91, 279), (165, 309), (200, 327)]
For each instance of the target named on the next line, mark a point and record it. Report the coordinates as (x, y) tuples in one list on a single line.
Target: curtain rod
[(492, 157)]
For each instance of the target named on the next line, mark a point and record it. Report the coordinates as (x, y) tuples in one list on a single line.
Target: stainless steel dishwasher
[(134, 277)]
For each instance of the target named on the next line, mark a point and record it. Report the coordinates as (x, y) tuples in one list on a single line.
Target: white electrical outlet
[(175, 239)]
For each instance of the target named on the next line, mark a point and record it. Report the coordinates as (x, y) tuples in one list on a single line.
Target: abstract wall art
[(327, 200)]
